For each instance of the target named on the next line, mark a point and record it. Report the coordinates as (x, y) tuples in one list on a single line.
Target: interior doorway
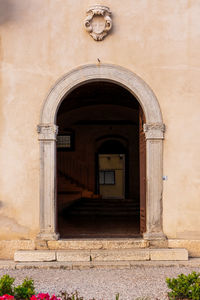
[(98, 163), (111, 176), (111, 168)]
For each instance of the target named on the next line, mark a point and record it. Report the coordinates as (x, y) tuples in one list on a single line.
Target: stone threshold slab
[(101, 255), (98, 243), (11, 265)]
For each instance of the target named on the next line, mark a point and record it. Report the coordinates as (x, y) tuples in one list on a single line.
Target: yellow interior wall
[(116, 163)]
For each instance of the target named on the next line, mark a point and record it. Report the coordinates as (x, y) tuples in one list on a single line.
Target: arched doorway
[(98, 186), (153, 131)]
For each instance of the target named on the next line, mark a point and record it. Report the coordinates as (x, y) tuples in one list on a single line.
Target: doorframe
[(154, 132)]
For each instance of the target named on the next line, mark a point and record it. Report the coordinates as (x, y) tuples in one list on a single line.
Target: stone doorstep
[(34, 255), (95, 244), (101, 255), (120, 255), (168, 254)]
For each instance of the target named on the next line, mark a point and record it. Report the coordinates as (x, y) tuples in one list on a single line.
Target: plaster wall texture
[(40, 41)]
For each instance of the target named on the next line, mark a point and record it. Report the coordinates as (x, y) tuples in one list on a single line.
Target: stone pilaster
[(47, 137), (154, 133)]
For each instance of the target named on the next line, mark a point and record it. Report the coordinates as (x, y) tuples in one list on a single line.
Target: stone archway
[(154, 132)]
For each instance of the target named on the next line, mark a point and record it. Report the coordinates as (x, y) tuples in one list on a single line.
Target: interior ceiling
[(96, 93)]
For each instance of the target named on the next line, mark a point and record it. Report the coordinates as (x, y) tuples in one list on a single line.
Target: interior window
[(107, 177)]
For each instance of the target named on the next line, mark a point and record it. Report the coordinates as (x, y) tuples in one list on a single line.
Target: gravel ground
[(139, 282)]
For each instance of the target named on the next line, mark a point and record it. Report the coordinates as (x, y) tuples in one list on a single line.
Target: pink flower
[(6, 297), (43, 296), (53, 297)]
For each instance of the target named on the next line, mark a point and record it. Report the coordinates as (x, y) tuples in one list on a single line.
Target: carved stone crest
[(98, 21)]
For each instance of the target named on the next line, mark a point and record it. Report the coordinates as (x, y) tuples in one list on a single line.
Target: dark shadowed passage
[(99, 163)]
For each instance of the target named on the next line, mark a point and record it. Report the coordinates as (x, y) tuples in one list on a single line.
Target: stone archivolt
[(98, 22)]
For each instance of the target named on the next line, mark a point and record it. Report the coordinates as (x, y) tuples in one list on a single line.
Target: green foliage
[(25, 290), (184, 286), (117, 296), (6, 285)]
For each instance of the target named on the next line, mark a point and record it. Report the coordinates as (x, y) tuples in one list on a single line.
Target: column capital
[(47, 132), (154, 131)]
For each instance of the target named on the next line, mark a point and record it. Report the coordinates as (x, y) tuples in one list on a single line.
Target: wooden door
[(142, 151)]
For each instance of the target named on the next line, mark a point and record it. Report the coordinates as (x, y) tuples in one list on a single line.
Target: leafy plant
[(184, 286), (6, 285), (25, 290)]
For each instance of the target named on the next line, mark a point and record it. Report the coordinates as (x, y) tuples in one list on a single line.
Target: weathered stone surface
[(119, 255), (41, 244), (82, 265), (193, 246), (158, 243), (11, 265), (168, 254), (43, 265), (98, 244), (8, 248), (73, 256), (34, 256), (101, 255)]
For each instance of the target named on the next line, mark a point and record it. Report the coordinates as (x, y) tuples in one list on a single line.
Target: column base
[(156, 239), (48, 236), (154, 236)]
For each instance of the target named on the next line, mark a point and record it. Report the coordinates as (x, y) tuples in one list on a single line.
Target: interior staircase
[(82, 213), (90, 207), (70, 191)]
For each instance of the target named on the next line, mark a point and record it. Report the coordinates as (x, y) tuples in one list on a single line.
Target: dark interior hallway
[(96, 119)]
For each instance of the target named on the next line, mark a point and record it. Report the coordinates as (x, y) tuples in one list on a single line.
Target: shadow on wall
[(11, 10), (6, 11)]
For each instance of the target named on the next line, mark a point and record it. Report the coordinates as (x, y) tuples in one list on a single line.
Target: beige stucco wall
[(42, 40)]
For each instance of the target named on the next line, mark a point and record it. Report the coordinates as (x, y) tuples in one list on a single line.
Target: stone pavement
[(133, 280)]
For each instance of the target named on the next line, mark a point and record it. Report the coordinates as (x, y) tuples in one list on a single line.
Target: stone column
[(154, 133), (47, 137)]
